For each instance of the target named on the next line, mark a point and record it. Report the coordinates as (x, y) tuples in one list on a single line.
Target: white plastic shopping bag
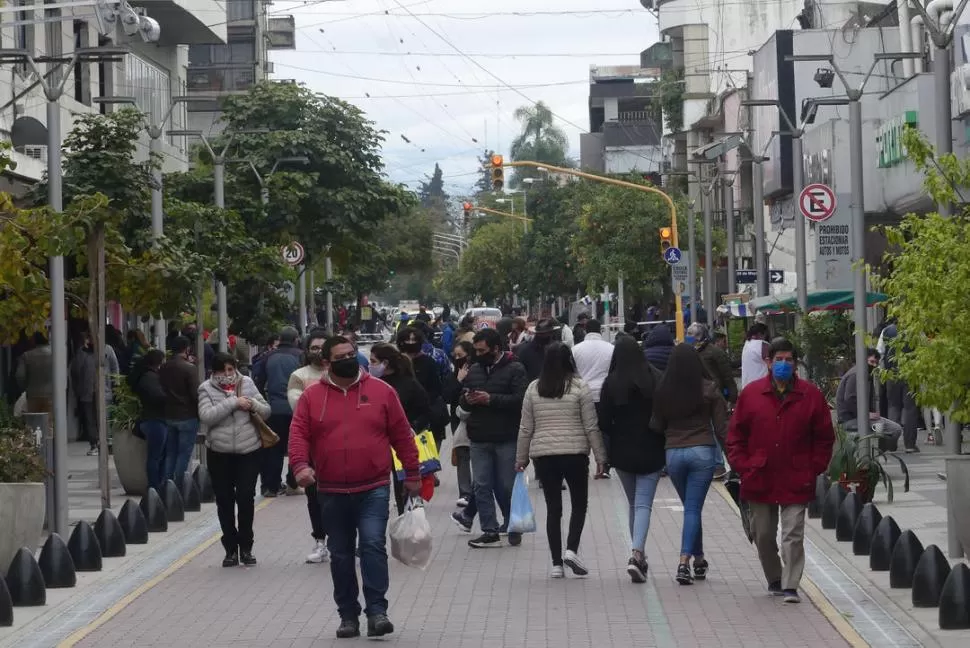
[(411, 535), (522, 518)]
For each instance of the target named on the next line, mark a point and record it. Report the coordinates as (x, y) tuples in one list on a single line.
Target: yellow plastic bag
[(428, 455)]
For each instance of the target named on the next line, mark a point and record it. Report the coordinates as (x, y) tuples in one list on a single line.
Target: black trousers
[(271, 470), (553, 470), (316, 513), (234, 482)]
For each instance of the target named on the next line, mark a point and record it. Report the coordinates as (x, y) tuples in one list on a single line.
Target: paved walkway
[(478, 599)]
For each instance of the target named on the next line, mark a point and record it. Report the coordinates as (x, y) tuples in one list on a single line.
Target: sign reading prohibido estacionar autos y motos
[(833, 248)]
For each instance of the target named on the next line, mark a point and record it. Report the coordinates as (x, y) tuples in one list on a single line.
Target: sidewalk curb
[(78, 635), (815, 595)]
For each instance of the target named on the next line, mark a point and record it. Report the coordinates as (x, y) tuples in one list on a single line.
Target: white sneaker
[(557, 572), (462, 502), (574, 563), (320, 554)]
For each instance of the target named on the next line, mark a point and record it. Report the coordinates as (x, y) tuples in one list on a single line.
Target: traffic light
[(498, 173), (665, 240), (467, 209)]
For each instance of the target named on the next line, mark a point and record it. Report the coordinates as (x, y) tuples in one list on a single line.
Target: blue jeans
[(691, 471), (156, 437), (181, 443), (493, 472), (640, 491), (345, 516)]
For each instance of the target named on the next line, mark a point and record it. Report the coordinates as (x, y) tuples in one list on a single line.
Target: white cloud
[(422, 88)]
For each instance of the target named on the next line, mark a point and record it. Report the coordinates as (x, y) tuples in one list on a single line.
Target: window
[(149, 84), (235, 52), (82, 71), (240, 10), (23, 35)]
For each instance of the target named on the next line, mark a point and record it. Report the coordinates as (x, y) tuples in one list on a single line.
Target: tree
[(491, 266), (926, 285), (539, 141), (483, 184), (551, 266)]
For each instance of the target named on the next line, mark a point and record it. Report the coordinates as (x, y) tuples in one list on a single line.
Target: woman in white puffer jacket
[(227, 401), (558, 428)]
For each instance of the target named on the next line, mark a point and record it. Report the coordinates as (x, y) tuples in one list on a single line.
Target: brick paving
[(485, 598)]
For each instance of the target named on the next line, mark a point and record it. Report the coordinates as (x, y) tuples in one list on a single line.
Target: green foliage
[(927, 286), (125, 408), (484, 182), (551, 266), (20, 460), (826, 342), (863, 470), (492, 263), (540, 141), (670, 98)]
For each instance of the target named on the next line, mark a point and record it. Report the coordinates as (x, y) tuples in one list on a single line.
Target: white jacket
[(229, 429), (299, 381), (593, 357)]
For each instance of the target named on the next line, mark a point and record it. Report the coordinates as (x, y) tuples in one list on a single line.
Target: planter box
[(957, 496), (22, 511), (131, 460)]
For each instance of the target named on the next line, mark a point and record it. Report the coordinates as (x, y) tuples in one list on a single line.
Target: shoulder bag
[(267, 438)]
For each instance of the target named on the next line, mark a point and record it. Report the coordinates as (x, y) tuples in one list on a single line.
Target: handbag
[(267, 438)]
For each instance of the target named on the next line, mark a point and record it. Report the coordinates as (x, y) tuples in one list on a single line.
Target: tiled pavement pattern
[(482, 598)]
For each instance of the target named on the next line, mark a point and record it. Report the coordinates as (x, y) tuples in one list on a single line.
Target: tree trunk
[(96, 318)]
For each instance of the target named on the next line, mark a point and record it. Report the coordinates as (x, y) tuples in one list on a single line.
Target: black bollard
[(821, 487), (6, 606), (85, 548), (24, 580), (204, 481), (153, 509), (883, 541), (174, 511), (955, 599), (133, 524), (56, 564), (110, 535), (906, 554), (191, 498), (831, 504), (931, 572), (865, 529), (849, 512)]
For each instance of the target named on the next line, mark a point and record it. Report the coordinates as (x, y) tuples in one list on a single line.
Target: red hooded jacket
[(347, 435), (780, 446)]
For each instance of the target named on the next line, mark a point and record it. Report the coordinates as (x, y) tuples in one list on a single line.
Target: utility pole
[(709, 291), (328, 270), (692, 266), (727, 186), (758, 207)]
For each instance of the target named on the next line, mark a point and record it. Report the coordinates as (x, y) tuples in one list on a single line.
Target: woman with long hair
[(692, 415), (227, 402), (461, 356), (558, 428), (635, 450), (394, 368)]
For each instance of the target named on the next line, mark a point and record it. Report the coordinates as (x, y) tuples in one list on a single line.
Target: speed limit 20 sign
[(293, 254)]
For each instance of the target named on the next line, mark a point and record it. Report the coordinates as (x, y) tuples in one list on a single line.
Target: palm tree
[(540, 140)]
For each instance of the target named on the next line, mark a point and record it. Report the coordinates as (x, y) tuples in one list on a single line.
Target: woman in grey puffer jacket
[(226, 402)]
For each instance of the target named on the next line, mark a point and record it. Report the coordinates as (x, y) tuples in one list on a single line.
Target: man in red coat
[(341, 437), (780, 439)]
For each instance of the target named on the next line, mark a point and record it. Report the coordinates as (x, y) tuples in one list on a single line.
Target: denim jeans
[(493, 471), (345, 517), (691, 471), (640, 491), (271, 472), (156, 437), (181, 443)]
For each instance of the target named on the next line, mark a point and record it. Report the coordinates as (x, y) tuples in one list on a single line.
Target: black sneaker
[(231, 559), (774, 588), (683, 575), (700, 569), (486, 541), (348, 629), (379, 625), (515, 539), (247, 558), (462, 521), (637, 570), (791, 596)]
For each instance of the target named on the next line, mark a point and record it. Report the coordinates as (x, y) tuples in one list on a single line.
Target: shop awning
[(818, 300)]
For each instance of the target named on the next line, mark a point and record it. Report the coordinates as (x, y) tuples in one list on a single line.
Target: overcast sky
[(449, 77)]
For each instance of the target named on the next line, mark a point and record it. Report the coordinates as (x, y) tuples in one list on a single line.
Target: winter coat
[(83, 372), (229, 429), (272, 375), (779, 446), (347, 435), (531, 354), (718, 367), (414, 400), (658, 347), (634, 446), (505, 383), (180, 380), (559, 426), (147, 385)]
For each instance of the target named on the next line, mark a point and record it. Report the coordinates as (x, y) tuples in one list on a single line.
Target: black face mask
[(411, 347), (460, 362), (346, 368), (485, 360)]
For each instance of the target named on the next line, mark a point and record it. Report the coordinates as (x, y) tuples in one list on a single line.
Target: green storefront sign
[(889, 138)]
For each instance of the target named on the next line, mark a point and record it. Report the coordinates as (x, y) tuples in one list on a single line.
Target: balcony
[(221, 79), (185, 22), (281, 33)]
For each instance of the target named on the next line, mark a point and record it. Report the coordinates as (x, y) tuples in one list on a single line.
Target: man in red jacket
[(341, 437), (780, 440)]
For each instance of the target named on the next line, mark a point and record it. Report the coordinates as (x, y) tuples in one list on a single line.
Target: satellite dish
[(27, 131)]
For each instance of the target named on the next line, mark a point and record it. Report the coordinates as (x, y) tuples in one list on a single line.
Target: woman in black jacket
[(636, 451), (147, 386), (394, 368)]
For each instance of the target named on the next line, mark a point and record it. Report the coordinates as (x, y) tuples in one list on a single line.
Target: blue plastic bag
[(522, 518)]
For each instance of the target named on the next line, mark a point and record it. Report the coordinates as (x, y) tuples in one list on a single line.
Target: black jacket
[(659, 345), (148, 387), (531, 354), (717, 364), (414, 400), (505, 382), (180, 381), (633, 446)]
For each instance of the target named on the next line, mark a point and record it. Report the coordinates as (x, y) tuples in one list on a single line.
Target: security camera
[(149, 29), (809, 110), (824, 77)]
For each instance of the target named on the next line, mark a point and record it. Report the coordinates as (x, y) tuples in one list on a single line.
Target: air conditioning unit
[(960, 90), (268, 67)]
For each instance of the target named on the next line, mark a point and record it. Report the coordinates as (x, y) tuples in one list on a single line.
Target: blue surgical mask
[(782, 370), (689, 339), (377, 370)]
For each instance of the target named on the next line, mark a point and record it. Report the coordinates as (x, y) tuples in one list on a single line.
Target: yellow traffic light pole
[(497, 160), (487, 210)]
